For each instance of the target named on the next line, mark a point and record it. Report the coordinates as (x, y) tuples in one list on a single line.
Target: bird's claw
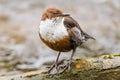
[(52, 67), (56, 66), (67, 67), (61, 69)]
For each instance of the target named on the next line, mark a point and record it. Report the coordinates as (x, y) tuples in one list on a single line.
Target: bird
[(60, 32)]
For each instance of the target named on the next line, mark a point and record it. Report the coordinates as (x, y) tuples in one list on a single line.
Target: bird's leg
[(55, 64), (68, 65), (70, 62)]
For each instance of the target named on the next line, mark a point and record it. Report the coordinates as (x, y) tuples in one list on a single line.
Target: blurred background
[(20, 46)]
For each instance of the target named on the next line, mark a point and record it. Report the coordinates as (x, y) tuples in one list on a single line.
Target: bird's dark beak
[(63, 15)]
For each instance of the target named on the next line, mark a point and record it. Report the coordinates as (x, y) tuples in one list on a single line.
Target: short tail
[(86, 36)]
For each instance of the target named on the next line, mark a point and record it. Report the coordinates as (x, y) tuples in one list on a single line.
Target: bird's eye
[(54, 12)]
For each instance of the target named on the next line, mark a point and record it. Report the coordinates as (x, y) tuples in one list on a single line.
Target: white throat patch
[(53, 29)]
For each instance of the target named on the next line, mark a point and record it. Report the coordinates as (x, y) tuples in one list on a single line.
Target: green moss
[(44, 72), (93, 74), (31, 75), (117, 54), (20, 76), (110, 56), (12, 79), (2, 74)]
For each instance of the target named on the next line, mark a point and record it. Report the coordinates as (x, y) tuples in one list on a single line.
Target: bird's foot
[(67, 67), (52, 67), (55, 65)]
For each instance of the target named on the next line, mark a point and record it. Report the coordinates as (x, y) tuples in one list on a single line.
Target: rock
[(106, 67)]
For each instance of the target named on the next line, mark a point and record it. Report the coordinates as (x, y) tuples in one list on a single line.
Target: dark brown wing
[(74, 30)]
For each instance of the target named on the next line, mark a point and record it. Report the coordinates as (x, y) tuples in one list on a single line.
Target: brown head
[(52, 12)]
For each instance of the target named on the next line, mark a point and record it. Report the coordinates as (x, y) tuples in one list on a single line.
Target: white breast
[(52, 30)]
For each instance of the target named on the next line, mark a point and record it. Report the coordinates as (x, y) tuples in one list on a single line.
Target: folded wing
[(77, 35)]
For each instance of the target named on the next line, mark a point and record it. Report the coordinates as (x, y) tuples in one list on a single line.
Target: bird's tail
[(86, 36)]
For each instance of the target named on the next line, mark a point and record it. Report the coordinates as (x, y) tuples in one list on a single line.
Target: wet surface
[(21, 48)]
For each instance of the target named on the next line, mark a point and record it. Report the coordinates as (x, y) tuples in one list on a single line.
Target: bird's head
[(52, 13)]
